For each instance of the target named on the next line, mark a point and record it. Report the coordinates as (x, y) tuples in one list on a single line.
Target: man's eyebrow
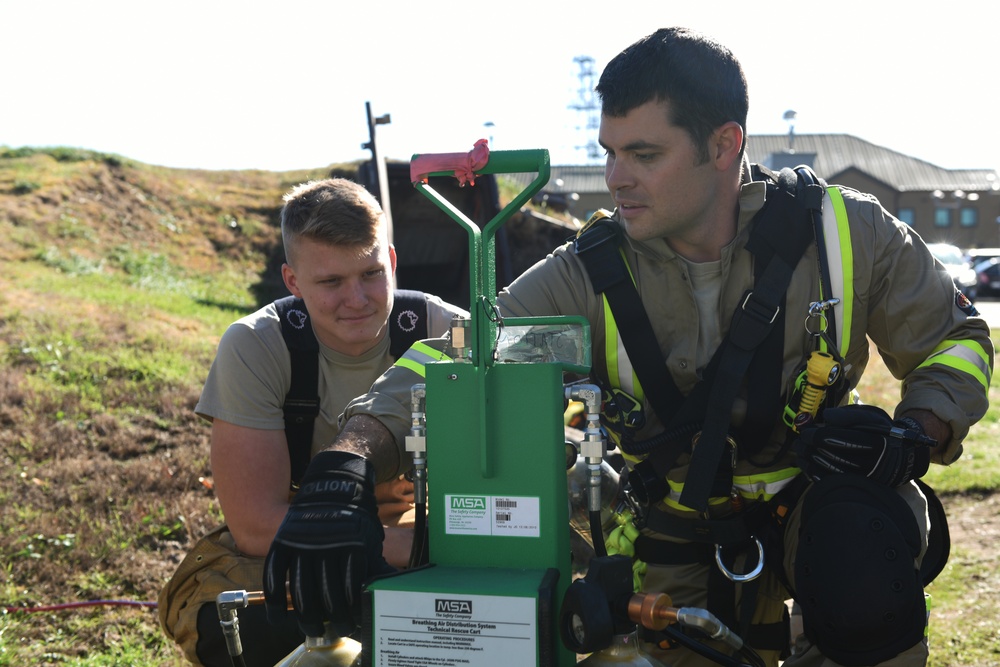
[(637, 145)]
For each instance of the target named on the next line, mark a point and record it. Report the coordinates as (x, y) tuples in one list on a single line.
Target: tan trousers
[(686, 583)]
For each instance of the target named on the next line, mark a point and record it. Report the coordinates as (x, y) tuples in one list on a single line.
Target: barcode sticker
[(513, 516)]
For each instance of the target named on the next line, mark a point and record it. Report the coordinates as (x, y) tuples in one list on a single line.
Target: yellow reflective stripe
[(764, 486), (673, 498), (621, 372), (760, 486), (635, 387), (966, 356), (611, 343), (672, 501), (418, 356), (840, 260)]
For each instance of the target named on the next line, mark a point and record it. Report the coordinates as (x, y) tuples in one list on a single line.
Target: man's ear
[(291, 281), (392, 258), (726, 144)]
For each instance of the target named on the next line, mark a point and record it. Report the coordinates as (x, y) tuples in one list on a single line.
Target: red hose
[(74, 605)]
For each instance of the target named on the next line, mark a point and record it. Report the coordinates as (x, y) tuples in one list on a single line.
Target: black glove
[(864, 440), (329, 545)]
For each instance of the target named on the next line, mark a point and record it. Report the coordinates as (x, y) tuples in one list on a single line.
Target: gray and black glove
[(864, 440), (329, 545)]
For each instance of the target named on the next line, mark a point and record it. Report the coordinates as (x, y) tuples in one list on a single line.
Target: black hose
[(418, 547), (597, 533), (752, 656), (703, 649)]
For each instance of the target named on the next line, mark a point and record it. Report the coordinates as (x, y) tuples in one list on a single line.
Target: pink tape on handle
[(464, 165)]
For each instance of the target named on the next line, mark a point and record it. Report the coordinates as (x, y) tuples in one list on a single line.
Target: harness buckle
[(741, 578), (759, 312)]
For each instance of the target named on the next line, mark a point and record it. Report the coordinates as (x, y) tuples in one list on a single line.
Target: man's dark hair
[(700, 78)]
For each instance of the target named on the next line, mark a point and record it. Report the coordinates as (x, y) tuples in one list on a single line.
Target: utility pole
[(790, 117), (383, 178)]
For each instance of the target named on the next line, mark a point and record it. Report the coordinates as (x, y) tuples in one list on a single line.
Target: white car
[(958, 266)]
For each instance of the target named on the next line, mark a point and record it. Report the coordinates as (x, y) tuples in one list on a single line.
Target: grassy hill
[(118, 279)]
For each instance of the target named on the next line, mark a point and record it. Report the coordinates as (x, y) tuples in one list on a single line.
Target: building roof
[(830, 155), (834, 154), (576, 178)]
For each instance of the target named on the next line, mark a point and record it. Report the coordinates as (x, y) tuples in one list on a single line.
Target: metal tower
[(588, 111)]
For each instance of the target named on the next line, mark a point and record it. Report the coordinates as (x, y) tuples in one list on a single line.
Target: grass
[(117, 280)]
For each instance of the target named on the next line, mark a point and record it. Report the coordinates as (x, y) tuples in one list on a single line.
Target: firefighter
[(739, 290), (340, 270)]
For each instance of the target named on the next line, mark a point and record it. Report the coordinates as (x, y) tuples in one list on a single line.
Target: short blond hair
[(335, 211)]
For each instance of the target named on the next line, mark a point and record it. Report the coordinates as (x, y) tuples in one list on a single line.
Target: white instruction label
[(513, 516), (415, 629)]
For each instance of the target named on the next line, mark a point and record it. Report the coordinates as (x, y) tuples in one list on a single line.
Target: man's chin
[(637, 231)]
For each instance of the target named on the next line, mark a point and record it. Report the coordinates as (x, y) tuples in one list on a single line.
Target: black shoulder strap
[(408, 321), (778, 241), (302, 401), (407, 324), (598, 246)]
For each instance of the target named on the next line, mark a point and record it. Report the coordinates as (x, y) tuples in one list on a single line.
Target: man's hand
[(864, 440), (329, 545)]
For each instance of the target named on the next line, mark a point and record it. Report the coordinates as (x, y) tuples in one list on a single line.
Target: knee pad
[(855, 578)]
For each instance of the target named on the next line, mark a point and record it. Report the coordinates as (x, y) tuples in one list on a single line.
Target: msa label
[(512, 516), (427, 629), (452, 606)]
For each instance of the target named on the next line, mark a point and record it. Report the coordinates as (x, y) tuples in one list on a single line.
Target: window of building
[(942, 217), (907, 215), (968, 216)]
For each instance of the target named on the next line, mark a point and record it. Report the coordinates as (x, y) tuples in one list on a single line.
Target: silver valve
[(460, 347), (227, 603), (593, 447), (416, 441)]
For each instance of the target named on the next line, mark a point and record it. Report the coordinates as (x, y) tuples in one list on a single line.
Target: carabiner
[(817, 310), (741, 578)]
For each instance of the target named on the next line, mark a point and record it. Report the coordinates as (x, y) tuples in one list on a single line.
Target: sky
[(283, 85)]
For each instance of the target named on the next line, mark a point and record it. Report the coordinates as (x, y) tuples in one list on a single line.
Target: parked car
[(988, 277), (958, 267), (979, 255)]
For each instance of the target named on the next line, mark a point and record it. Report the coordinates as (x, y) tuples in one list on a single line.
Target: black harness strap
[(407, 324), (302, 400), (598, 247), (779, 246)]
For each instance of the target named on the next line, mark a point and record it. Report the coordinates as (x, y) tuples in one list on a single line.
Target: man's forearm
[(366, 436)]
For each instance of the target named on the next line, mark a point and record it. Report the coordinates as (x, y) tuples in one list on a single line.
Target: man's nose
[(616, 175), (356, 295)]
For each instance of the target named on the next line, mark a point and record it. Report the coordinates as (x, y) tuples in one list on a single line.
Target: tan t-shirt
[(251, 373)]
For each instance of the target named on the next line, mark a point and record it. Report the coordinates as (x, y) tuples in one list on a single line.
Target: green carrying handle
[(482, 244)]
